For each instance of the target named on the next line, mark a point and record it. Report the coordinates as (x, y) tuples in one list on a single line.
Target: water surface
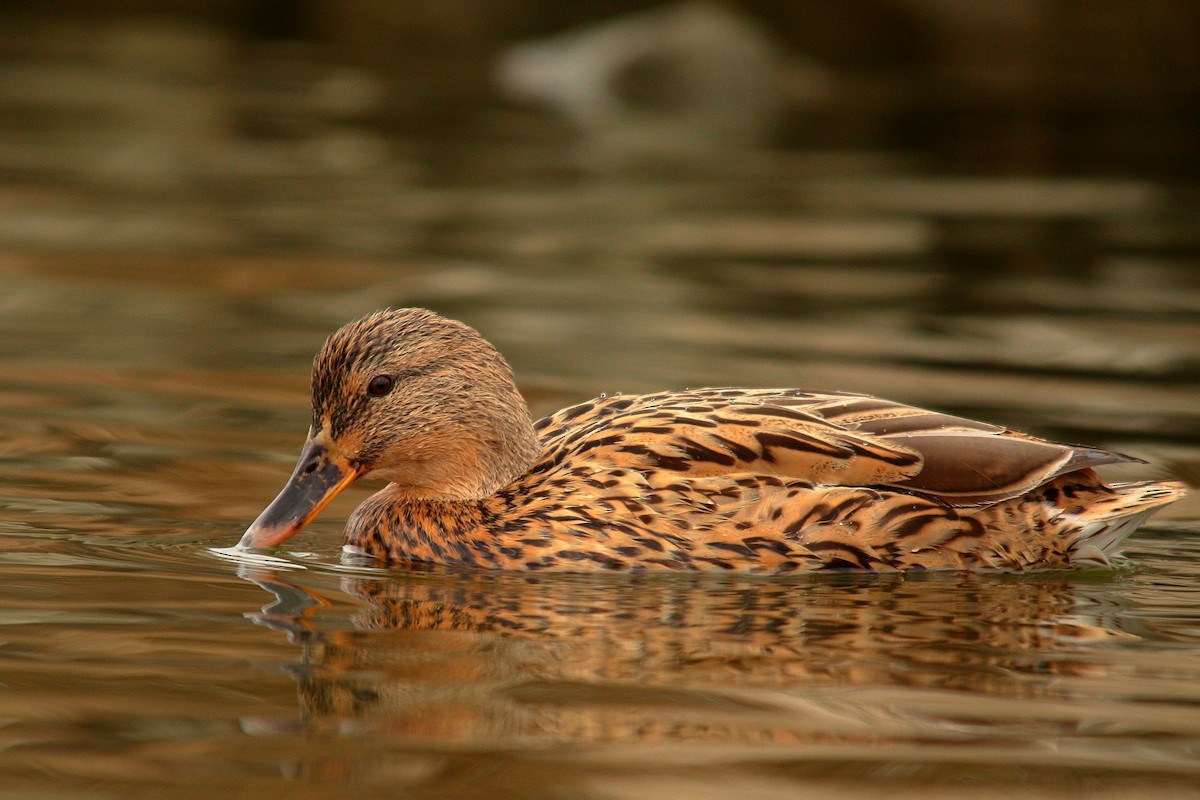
[(152, 402)]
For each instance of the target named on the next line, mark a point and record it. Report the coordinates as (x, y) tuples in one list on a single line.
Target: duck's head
[(410, 397)]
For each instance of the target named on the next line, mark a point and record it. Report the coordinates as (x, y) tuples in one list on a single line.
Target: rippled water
[(151, 405)]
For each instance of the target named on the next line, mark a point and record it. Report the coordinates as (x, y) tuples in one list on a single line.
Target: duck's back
[(772, 481)]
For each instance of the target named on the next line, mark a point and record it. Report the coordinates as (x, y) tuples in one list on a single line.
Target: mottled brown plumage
[(742, 479)]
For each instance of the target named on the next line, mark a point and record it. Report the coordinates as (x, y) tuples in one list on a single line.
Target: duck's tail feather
[(1104, 525)]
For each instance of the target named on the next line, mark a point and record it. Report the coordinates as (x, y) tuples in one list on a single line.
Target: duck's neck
[(505, 442), (506, 449), (471, 458)]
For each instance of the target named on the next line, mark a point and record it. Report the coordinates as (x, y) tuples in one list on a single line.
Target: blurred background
[(249, 125)]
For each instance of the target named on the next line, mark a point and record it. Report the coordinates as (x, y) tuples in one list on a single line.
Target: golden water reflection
[(848, 666)]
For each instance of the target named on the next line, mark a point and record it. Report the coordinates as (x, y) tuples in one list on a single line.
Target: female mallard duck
[(760, 480)]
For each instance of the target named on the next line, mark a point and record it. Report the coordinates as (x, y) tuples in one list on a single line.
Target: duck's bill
[(320, 475)]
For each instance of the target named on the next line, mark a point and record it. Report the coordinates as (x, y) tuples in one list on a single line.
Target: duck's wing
[(824, 438), (963, 461)]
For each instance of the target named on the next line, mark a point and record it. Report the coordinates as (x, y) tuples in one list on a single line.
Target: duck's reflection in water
[(472, 657)]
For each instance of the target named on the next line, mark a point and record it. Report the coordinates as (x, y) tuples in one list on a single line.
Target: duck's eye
[(380, 385)]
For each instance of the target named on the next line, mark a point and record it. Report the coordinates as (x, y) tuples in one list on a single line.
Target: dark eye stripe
[(380, 385)]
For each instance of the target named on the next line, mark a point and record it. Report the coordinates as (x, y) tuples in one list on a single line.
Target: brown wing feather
[(964, 462), (824, 438)]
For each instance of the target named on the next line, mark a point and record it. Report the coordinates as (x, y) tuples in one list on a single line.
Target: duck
[(748, 480)]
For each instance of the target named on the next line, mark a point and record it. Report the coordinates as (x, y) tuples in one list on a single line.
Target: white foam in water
[(253, 558)]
